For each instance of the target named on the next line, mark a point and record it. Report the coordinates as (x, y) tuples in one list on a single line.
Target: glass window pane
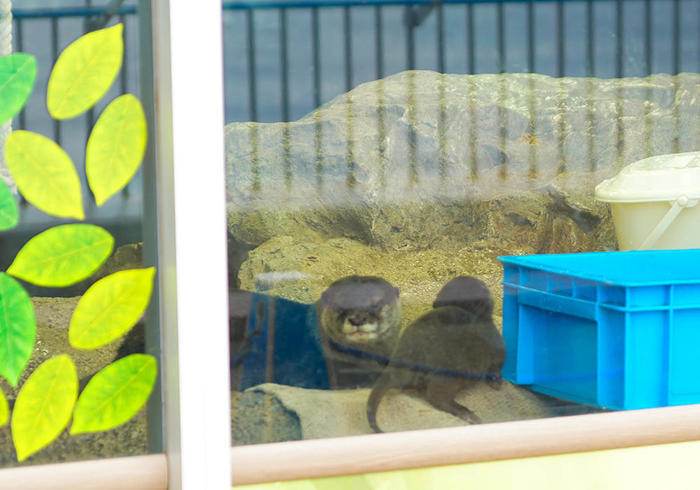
[(391, 171), (81, 269)]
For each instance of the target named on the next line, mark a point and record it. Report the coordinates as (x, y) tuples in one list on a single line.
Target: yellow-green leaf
[(115, 147), (110, 307), (84, 72), (9, 215), (44, 174), (44, 405), (17, 329), (62, 255), (115, 394), (4, 409), (17, 76)]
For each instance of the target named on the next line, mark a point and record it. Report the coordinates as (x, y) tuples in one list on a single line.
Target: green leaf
[(62, 255), (115, 147), (9, 215), (17, 75), (44, 405), (115, 394), (84, 72), (4, 409), (17, 329), (110, 307), (44, 174)]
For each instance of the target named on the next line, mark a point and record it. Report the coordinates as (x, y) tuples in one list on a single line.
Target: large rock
[(421, 160), (300, 270)]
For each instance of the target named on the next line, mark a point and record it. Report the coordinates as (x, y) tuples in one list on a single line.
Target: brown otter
[(359, 319), (445, 351)]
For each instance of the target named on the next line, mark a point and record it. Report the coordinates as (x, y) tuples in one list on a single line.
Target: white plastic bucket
[(654, 202)]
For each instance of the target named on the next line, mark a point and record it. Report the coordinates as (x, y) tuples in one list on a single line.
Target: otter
[(449, 349), (359, 321)]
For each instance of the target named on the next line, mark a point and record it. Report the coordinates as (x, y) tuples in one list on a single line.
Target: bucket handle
[(678, 206)]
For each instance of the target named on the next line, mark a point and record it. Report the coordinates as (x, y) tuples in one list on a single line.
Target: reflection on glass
[(365, 226), (73, 369)]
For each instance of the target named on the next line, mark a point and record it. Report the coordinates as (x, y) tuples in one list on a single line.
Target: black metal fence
[(282, 59)]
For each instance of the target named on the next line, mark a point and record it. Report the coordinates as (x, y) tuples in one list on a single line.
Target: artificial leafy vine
[(66, 254)]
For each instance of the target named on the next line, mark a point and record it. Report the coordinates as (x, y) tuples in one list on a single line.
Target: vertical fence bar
[(253, 100), (54, 56), (561, 72), (318, 136), (590, 39), (381, 111), (648, 54), (590, 72), (471, 64), (347, 39), (316, 48), (530, 23), (378, 41), (252, 79), (349, 112), (648, 37), (500, 34), (619, 45), (284, 65), (676, 33), (442, 119), (284, 87), (316, 56), (90, 115), (19, 38), (676, 67), (531, 47), (561, 42), (410, 39), (123, 79), (619, 73), (440, 37), (471, 68)]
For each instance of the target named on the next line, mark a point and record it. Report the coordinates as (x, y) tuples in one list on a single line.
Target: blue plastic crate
[(616, 329)]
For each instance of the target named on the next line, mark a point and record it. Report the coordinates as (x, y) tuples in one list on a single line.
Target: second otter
[(445, 351)]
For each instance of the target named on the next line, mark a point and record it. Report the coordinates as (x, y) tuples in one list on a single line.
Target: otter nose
[(357, 319)]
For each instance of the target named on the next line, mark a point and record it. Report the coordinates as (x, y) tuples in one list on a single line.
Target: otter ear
[(326, 297), (396, 291)]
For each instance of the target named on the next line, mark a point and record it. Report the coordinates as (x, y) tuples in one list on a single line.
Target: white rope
[(5, 49)]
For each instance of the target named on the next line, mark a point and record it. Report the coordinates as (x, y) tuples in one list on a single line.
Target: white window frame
[(192, 254)]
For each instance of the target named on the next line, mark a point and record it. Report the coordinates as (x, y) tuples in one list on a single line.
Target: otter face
[(364, 326), (360, 310)]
